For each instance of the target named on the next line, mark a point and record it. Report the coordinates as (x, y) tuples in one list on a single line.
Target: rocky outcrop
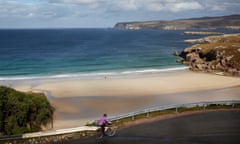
[(216, 54), (224, 22)]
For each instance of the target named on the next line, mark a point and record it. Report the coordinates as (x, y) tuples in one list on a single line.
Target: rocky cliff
[(215, 54), (225, 22)]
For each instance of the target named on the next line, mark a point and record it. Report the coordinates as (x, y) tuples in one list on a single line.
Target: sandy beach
[(137, 86), (79, 101)]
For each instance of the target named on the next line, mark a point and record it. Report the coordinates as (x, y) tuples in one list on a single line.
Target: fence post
[(132, 117), (176, 109), (147, 114)]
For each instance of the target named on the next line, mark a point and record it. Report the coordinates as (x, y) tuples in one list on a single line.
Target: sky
[(105, 13)]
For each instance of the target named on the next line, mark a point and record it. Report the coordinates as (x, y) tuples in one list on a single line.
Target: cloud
[(170, 5), (150, 5), (154, 5), (125, 5), (89, 2), (220, 5), (15, 9), (133, 5), (107, 12), (184, 6)]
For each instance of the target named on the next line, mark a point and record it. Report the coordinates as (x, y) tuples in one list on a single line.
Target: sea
[(88, 53)]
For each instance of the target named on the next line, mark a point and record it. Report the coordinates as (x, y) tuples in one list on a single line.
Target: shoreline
[(95, 75), (78, 101), (143, 85)]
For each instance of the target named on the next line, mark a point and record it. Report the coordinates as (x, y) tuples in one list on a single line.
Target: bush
[(23, 112)]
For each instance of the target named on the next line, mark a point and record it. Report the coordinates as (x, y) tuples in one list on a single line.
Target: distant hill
[(224, 22)]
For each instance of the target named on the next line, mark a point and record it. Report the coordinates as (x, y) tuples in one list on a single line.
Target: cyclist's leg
[(103, 129)]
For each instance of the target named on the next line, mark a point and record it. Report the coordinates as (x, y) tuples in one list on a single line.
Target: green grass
[(185, 109), (217, 106)]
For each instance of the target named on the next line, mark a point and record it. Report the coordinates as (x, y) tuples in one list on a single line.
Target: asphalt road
[(219, 127)]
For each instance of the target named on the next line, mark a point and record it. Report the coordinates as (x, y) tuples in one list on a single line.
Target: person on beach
[(103, 122)]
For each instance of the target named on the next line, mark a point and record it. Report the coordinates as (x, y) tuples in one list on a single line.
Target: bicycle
[(110, 131)]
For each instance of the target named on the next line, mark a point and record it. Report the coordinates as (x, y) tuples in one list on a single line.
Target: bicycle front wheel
[(110, 132)]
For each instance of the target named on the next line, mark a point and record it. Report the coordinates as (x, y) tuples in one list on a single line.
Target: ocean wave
[(97, 75), (155, 70)]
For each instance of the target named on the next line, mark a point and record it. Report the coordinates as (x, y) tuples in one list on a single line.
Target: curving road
[(219, 127)]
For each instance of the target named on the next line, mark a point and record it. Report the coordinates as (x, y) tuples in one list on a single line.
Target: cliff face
[(226, 22), (216, 54)]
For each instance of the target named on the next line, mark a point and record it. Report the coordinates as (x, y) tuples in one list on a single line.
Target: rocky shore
[(215, 54)]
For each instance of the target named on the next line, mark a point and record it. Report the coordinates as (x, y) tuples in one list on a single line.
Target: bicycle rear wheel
[(99, 134)]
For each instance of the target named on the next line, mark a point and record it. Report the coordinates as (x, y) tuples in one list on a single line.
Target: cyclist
[(103, 122)]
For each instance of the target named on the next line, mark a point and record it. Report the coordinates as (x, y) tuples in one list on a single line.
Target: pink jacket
[(103, 120)]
